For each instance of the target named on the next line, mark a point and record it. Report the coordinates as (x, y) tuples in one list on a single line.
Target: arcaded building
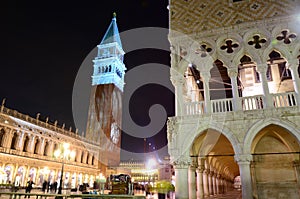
[(235, 69), (41, 150), (27, 147)]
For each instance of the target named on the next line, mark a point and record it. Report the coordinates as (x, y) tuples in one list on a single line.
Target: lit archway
[(275, 158)]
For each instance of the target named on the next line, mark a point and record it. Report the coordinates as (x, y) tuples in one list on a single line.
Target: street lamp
[(64, 154)]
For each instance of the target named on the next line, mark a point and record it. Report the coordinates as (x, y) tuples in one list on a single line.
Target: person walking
[(30, 183), (44, 187)]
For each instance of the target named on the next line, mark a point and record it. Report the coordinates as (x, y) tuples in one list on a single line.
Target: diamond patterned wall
[(191, 16)]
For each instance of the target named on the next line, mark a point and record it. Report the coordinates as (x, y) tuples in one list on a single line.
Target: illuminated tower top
[(108, 64)]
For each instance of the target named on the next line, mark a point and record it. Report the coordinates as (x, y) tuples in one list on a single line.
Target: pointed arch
[(189, 140), (280, 49), (258, 126)]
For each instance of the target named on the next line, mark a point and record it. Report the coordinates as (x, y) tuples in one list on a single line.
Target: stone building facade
[(27, 148), (235, 69)]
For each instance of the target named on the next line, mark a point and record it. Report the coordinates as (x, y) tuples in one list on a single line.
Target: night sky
[(45, 42)]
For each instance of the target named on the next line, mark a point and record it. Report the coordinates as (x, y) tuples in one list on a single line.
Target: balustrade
[(284, 99), (248, 103)]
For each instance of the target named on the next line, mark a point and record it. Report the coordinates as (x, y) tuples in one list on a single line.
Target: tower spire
[(108, 64), (112, 33)]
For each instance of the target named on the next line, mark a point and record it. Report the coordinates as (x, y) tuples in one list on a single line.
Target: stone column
[(232, 73), (42, 146), (206, 77), (20, 141), (218, 183), (205, 183), (50, 150), (181, 179), (178, 82), (244, 166), (210, 183), (222, 188), (78, 156), (200, 190), (293, 67), (214, 182), (32, 143), (192, 182), (262, 69)]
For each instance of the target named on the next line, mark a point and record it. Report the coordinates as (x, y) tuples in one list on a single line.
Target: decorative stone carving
[(232, 72), (243, 158), (171, 128), (181, 164), (177, 78), (286, 36)]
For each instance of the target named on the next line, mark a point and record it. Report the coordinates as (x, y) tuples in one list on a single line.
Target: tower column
[(218, 183), (205, 183), (262, 69), (214, 182), (181, 178), (200, 191), (293, 66), (192, 182), (178, 82), (244, 166), (210, 183), (232, 73), (200, 179), (206, 77)]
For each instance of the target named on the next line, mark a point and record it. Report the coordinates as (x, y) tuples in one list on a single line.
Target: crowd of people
[(48, 187)]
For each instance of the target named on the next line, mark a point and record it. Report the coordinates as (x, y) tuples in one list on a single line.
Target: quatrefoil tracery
[(203, 50), (229, 46), (257, 41), (286, 36)]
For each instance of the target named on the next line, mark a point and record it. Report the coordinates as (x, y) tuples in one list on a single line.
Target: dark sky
[(45, 42)]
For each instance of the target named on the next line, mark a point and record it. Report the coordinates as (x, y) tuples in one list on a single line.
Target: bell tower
[(105, 110)]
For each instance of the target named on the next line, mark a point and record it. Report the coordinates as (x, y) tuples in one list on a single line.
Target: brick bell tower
[(105, 110)]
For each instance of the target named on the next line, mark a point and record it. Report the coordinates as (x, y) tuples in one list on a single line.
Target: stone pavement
[(234, 194)]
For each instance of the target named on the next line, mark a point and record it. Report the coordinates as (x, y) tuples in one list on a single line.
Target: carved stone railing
[(194, 108), (284, 99), (222, 105), (253, 102), (247, 103)]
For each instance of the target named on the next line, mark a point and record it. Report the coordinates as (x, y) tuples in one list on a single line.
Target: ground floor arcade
[(19, 169), (264, 165)]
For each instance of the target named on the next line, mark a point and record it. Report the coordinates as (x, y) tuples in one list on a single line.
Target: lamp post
[(64, 154)]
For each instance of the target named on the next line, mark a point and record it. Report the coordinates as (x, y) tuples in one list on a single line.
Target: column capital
[(205, 75), (293, 64), (206, 171), (243, 158), (262, 68), (182, 163), (232, 72), (199, 170)]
